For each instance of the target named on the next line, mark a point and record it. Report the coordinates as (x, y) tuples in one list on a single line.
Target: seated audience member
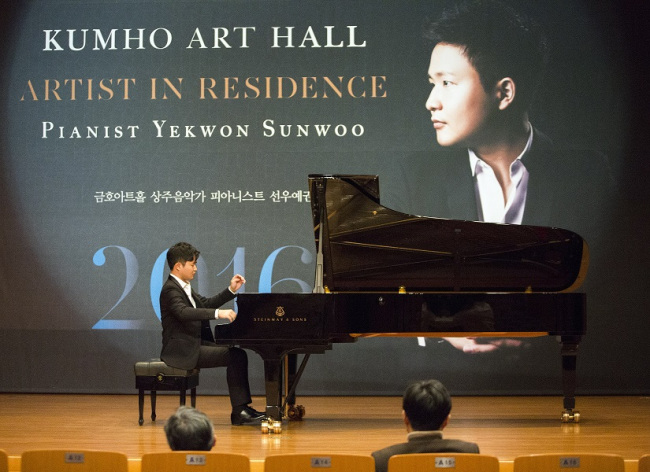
[(426, 407), (189, 429)]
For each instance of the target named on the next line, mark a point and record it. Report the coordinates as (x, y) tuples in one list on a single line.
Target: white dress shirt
[(188, 290), (489, 195)]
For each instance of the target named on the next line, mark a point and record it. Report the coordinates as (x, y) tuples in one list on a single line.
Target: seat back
[(4, 461), (644, 463), (318, 462), (444, 461), (179, 461), (562, 462), (73, 460)]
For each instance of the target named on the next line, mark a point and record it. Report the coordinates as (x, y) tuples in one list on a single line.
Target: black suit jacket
[(185, 328), (570, 189), (422, 444)]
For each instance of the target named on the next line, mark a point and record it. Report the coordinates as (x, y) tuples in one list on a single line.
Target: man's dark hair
[(181, 252), (498, 41), (189, 430), (426, 404)]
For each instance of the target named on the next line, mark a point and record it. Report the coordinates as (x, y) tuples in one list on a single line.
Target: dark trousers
[(235, 361)]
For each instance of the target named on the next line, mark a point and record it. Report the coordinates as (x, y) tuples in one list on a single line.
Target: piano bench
[(154, 375)]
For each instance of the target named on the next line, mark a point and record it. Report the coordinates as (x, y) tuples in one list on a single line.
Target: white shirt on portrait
[(489, 195)]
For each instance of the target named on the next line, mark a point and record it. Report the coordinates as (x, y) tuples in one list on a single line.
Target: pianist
[(187, 338), (426, 410)]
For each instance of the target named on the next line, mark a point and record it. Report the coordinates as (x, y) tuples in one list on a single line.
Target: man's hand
[(229, 315), (236, 282), (472, 346)]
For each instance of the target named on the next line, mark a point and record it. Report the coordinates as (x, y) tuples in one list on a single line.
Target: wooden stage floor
[(502, 426)]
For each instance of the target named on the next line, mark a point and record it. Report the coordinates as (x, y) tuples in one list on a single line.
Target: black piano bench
[(155, 375)]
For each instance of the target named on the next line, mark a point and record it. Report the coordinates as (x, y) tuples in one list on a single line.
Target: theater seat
[(4, 461), (447, 461), (319, 462), (73, 460), (562, 462), (186, 461), (155, 375)]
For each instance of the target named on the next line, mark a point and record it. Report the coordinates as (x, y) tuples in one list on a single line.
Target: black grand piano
[(380, 272)]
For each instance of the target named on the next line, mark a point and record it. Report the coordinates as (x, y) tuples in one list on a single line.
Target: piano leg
[(291, 368), (569, 352), (293, 411), (273, 387), (273, 358)]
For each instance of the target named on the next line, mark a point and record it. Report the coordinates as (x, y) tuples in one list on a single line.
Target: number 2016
[(237, 263)]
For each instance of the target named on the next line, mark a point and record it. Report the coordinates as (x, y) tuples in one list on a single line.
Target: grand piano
[(380, 272)]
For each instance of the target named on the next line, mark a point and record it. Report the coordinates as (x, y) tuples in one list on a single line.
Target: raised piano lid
[(367, 247)]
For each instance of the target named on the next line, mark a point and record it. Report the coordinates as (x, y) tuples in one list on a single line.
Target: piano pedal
[(295, 412), (570, 416)]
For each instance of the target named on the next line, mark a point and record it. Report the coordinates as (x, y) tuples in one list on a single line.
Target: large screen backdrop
[(129, 126)]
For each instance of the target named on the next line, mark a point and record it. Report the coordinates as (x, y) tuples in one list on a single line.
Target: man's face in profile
[(458, 103), (185, 271)]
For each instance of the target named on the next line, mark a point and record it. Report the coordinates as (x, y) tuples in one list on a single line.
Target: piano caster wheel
[(296, 412), (271, 426), (570, 416)]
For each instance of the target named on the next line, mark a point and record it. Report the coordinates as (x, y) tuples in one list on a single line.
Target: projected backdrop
[(130, 126)]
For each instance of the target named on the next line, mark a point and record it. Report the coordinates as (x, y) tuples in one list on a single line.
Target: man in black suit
[(426, 410), (486, 64), (188, 342)]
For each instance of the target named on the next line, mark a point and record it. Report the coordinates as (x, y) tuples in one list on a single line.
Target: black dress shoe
[(246, 415)]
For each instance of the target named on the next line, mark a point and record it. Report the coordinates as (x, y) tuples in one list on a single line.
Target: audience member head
[(189, 429), (426, 405)]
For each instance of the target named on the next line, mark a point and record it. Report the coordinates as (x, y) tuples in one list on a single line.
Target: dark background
[(55, 295)]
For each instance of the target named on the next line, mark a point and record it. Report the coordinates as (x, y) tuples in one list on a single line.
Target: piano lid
[(364, 246)]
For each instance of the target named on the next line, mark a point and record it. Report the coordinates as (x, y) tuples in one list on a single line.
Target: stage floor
[(502, 426)]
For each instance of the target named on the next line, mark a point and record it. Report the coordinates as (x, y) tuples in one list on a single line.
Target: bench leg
[(153, 405), (178, 383), (141, 406)]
